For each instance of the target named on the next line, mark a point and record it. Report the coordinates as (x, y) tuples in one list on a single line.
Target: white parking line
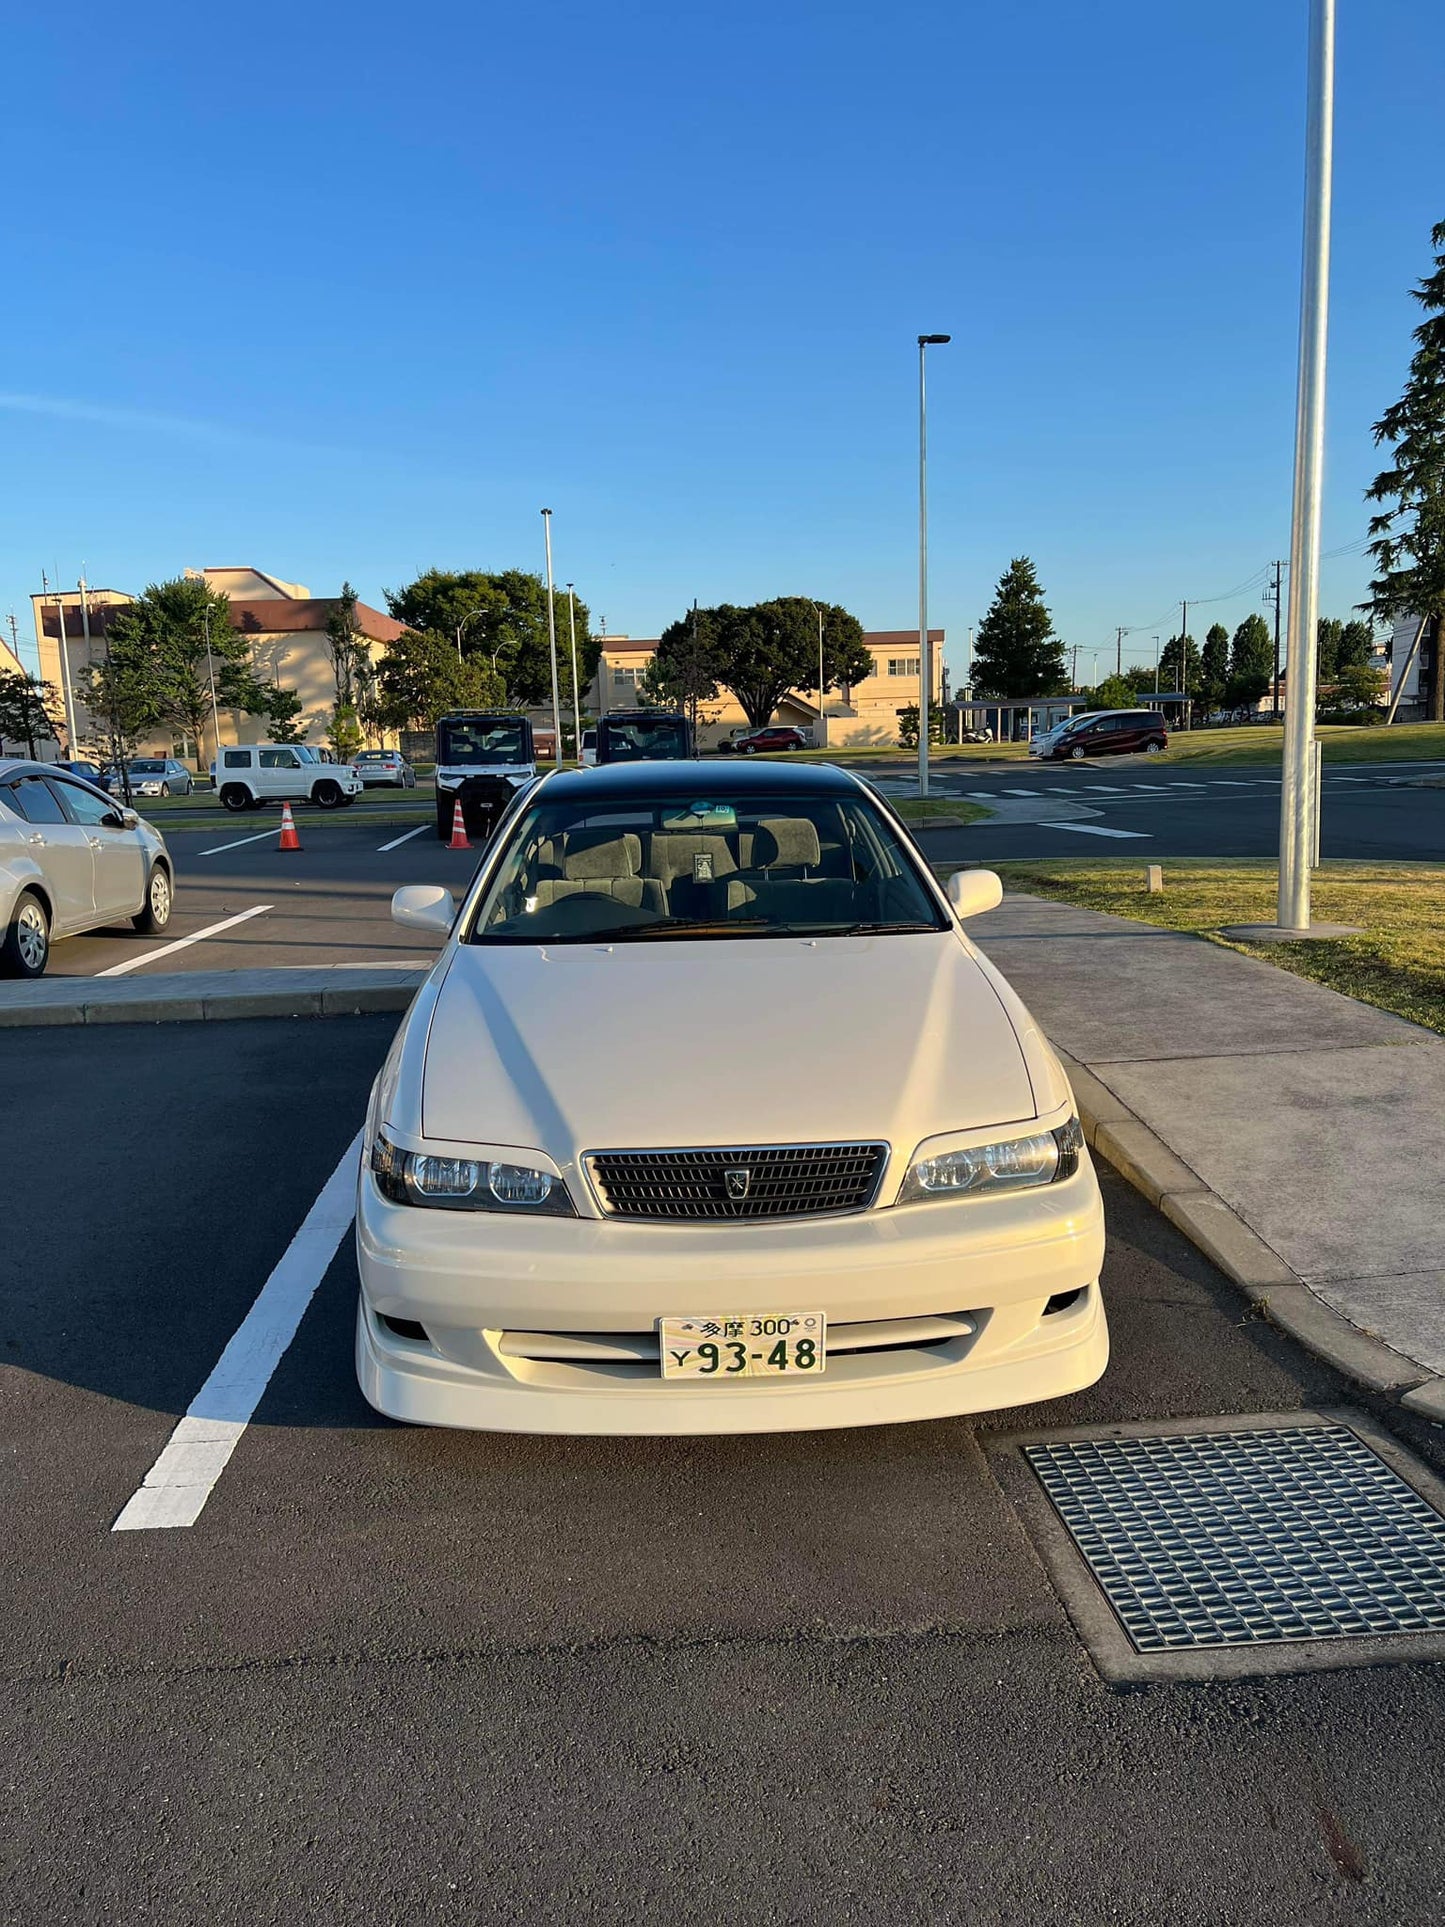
[(178, 1485), (1021, 792), (397, 841), (1189, 786), (1094, 829), (184, 943), (260, 834), (1105, 789)]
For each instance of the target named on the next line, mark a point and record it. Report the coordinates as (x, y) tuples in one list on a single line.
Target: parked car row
[(776, 737)]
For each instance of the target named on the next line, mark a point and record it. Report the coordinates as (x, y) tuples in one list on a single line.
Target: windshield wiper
[(858, 929), (682, 927)]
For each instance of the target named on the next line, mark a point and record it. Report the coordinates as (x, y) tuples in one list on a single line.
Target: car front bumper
[(548, 1325)]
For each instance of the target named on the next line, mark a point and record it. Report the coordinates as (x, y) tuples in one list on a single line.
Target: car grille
[(780, 1181)]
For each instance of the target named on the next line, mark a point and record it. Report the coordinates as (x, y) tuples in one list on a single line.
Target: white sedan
[(710, 1118)]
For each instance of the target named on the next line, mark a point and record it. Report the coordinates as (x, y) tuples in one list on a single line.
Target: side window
[(37, 802), (81, 806), (280, 759), (237, 759)]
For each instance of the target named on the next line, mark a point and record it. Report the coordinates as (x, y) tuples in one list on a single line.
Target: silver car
[(152, 776), (72, 860), (384, 766)]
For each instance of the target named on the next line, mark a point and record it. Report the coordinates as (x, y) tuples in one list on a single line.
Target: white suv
[(255, 773)]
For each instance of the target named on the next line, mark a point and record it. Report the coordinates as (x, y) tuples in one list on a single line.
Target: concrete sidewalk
[(1297, 1135)]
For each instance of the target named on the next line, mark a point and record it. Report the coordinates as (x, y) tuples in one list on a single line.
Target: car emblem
[(738, 1184)]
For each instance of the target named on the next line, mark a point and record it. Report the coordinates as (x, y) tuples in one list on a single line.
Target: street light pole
[(552, 637), (211, 673), (925, 342), (576, 695), (1296, 809)]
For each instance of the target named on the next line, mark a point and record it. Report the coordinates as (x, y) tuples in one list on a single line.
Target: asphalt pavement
[(395, 1675), (241, 903)]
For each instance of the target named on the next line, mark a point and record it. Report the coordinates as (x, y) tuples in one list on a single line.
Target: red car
[(776, 736)]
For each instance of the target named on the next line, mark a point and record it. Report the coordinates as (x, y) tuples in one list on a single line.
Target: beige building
[(283, 622), (866, 713)]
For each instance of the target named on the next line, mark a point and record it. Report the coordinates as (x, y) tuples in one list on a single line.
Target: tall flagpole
[(552, 637)]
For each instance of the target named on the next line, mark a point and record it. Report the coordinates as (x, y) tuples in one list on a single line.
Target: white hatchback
[(710, 1118)]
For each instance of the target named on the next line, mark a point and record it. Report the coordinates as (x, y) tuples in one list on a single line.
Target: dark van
[(1112, 732)]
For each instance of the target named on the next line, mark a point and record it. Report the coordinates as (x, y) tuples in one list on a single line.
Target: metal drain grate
[(1249, 1537)]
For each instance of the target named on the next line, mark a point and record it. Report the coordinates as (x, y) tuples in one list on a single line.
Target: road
[(329, 902), (393, 1676)]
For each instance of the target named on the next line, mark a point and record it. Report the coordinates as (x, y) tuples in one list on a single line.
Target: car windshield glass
[(727, 863), (481, 743), (147, 766), (645, 739)]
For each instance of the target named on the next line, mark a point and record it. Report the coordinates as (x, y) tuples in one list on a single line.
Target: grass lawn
[(1397, 961), (937, 812), (1249, 747)]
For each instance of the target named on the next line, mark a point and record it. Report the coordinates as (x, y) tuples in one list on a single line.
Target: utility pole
[(1276, 597), (211, 672), (1156, 665), (1074, 678), (1184, 657), (1297, 810), (1119, 652)]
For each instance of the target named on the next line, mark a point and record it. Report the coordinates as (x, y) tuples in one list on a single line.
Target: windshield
[(645, 739), (375, 756), (482, 743), (146, 766), (723, 864)]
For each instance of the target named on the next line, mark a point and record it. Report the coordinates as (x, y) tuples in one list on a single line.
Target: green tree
[(343, 732), (29, 710), (1356, 647), (682, 674), (501, 619), (164, 648), (419, 678), (1409, 538), (1328, 631), (763, 651), (284, 707), (1016, 653), (1359, 685), (908, 725), (345, 645), (1214, 667), (1251, 663), (118, 692), (1115, 692), (1187, 674)]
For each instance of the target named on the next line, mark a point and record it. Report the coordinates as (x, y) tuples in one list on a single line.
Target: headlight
[(1010, 1164), (466, 1184)]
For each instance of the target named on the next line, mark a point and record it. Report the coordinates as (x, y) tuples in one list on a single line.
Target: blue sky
[(349, 293)]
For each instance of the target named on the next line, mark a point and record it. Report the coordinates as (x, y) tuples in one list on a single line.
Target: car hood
[(579, 1047)]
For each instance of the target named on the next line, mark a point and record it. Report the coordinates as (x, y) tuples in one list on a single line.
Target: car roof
[(638, 781)]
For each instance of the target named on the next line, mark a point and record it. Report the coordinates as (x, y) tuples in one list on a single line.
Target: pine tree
[(1251, 663), (1409, 539), (1214, 667), (1171, 675), (1016, 653)]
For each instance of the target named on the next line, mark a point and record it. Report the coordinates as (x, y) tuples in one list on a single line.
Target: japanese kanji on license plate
[(728, 1346)]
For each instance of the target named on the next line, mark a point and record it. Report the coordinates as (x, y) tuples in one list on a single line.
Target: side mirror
[(424, 906), (971, 892)]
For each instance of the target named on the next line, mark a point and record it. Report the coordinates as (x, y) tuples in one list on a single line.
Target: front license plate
[(731, 1346)]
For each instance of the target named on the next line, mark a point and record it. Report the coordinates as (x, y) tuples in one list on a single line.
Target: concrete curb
[(1139, 1155), (210, 996)]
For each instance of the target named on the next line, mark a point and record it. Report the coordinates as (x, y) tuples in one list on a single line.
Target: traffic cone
[(459, 829), (289, 838)]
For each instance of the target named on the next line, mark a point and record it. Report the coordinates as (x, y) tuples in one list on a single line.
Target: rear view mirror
[(424, 906), (971, 892)]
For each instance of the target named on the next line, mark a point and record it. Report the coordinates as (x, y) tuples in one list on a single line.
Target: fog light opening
[(405, 1328), (1064, 1300)]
